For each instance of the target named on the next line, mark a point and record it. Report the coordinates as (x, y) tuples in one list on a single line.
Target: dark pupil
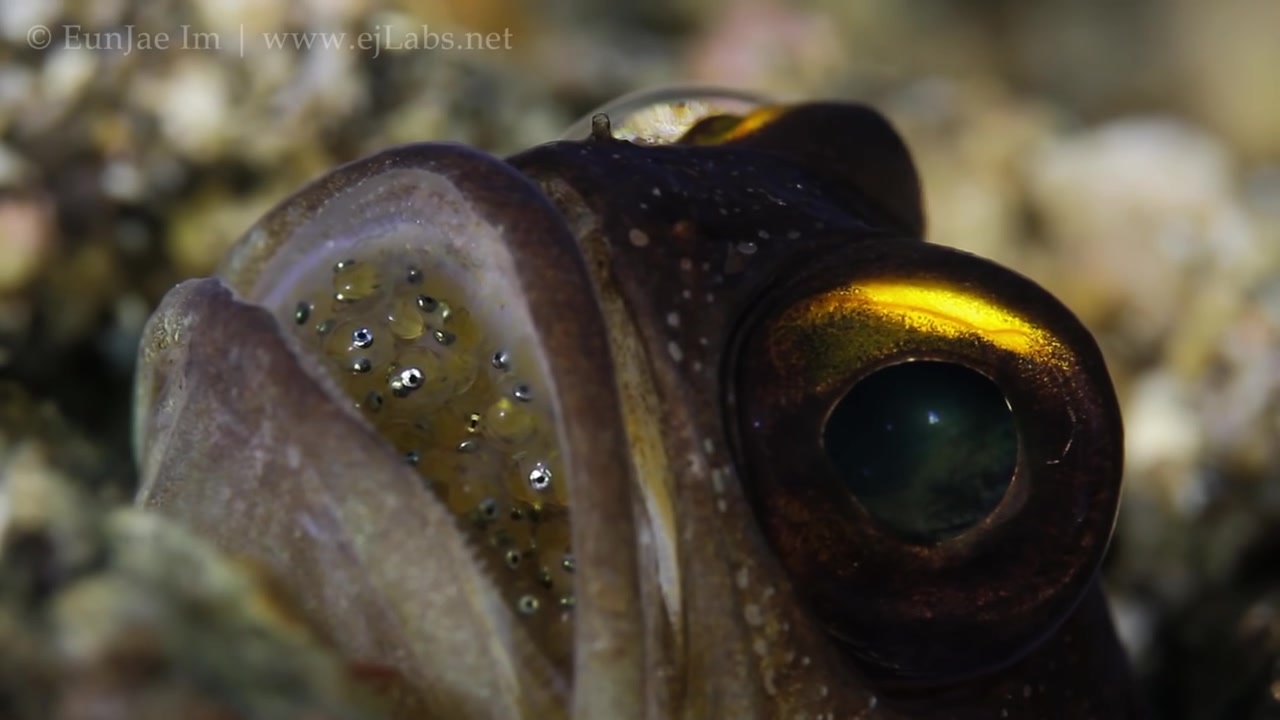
[(928, 448)]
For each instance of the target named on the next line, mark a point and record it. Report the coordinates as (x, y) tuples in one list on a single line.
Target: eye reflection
[(928, 448)]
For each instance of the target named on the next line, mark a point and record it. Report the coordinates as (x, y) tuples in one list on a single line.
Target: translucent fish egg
[(353, 280), (508, 424), (404, 319), (466, 410), (347, 341)]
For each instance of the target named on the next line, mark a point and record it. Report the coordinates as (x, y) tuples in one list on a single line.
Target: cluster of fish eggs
[(400, 340)]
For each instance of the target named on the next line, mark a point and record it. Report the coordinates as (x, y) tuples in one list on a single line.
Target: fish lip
[(564, 322)]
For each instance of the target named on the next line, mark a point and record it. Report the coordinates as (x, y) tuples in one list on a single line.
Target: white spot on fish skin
[(697, 366), (673, 319), (638, 237), (793, 234), (673, 349), (721, 506), (703, 341), (696, 466), (717, 481), (751, 613), (687, 294), (708, 446), (770, 687), (764, 234), (711, 298), (293, 456), (760, 647), (742, 578), (656, 191)]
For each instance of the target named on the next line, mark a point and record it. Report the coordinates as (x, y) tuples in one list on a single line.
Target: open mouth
[(399, 320)]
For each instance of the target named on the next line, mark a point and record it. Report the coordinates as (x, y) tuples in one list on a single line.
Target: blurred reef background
[(1126, 155)]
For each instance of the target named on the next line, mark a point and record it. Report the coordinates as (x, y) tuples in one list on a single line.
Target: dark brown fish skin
[(799, 190), (638, 236)]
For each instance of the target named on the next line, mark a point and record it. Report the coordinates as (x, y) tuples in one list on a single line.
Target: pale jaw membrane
[(408, 321), (658, 116)]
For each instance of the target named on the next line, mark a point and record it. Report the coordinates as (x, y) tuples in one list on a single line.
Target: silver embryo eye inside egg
[(457, 395)]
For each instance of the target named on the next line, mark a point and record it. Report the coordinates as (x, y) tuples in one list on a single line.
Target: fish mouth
[(418, 327), (393, 395)]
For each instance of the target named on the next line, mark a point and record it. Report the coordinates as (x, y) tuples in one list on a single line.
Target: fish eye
[(927, 448), (931, 445)]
